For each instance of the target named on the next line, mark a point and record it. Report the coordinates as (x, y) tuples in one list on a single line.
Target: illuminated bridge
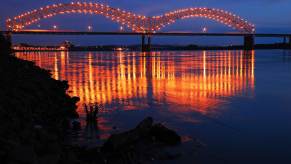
[(137, 23), (140, 25)]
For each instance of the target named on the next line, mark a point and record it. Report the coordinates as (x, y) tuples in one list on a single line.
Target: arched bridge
[(137, 23)]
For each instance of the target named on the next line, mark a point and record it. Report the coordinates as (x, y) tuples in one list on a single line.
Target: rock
[(49, 159), (23, 154), (37, 127), (141, 143), (64, 84), (146, 124), (76, 125), (164, 135), (5, 44), (127, 139), (35, 111), (75, 99)]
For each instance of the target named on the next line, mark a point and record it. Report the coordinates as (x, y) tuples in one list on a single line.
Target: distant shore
[(153, 47)]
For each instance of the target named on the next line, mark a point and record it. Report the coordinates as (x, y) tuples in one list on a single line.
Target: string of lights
[(135, 22)]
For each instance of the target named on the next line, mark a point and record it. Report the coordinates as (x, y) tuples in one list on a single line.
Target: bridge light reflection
[(188, 82), (198, 80)]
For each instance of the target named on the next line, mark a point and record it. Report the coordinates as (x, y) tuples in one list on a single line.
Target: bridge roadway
[(248, 37), (60, 32)]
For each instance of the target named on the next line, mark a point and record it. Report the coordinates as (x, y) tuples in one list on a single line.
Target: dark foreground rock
[(5, 44), (143, 144), (145, 133), (34, 113)]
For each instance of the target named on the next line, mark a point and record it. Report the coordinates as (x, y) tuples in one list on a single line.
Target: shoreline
[(130, 48), (36, 112), (206, 48)]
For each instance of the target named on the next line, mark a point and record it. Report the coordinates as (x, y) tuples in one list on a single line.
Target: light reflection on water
[(179, 82), (134, 80)]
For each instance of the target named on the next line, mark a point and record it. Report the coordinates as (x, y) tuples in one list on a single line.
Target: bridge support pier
[(149, 43), (143, 48), (249, 42)]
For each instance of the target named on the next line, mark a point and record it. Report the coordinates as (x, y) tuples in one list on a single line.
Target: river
[(238, 104)]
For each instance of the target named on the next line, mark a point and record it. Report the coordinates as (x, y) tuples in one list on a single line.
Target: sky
[(268, 16)]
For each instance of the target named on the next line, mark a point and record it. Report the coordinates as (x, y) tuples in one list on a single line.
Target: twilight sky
[(267, 15)]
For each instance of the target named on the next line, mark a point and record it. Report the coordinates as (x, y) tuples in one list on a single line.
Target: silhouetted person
[(91, 112), (91, 129)]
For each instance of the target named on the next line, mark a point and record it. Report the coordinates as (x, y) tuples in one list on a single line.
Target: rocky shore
[(35, 112)]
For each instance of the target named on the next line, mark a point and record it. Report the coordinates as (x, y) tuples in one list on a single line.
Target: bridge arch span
[(137, 23), (220, 16), (129, 19)]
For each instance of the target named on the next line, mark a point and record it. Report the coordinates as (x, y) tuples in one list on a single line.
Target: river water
[(236, 103)]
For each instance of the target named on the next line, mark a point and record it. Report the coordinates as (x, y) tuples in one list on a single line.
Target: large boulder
[(164, 135), (144, 142), (145, 133), (23, 154), (121, 141)]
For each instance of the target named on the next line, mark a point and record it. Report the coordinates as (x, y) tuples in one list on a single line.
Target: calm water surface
[(238, 104)]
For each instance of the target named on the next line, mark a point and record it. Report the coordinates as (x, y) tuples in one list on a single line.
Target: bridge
[(146, 45), (136, 22), (140, 25)]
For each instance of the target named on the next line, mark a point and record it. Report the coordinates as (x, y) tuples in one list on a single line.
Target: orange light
[(133, 21), (63, 48)]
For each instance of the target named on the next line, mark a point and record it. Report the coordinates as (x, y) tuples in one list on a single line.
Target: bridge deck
[(47, 32)]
